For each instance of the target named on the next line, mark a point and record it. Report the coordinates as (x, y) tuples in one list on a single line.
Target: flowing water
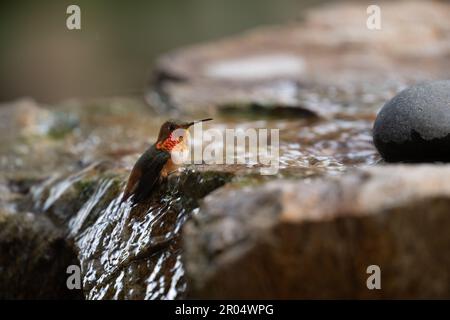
[(135, 252)]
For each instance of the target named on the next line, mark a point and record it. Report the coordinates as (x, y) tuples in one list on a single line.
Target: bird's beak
[(194, 122)]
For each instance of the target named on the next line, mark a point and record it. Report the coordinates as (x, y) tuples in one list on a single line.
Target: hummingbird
[(156, 163)]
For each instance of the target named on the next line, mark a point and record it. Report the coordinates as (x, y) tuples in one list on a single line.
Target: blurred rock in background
[(113, 52)]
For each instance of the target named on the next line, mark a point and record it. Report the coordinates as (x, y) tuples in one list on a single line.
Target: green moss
[(62, 124), (197, 184), (250, 180), (84, 187)]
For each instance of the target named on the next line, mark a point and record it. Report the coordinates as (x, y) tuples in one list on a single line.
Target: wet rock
[(34, 140), (286, 66), (31, 119), (260, 111), (38, 141), (197, 184), (34, 257), (62, 196), (126, 252), (288, 239), (415, 124), (134, 252)]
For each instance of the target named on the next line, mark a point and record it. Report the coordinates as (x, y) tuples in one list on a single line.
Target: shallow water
[(136, 252), (132, 252)]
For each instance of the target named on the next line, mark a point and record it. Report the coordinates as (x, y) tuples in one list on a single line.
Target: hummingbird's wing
[(132, 183), (146, 174)]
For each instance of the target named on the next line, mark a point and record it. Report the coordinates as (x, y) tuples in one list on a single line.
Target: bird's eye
[(171, 127)]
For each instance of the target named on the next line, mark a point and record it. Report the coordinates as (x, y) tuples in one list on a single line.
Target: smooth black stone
[(414, 126)]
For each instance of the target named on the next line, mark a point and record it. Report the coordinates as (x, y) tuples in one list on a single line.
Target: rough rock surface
[(415, 124), (276, 68), (315, 240), (34, 256)]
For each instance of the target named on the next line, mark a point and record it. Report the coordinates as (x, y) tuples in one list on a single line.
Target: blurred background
[(119, 41)]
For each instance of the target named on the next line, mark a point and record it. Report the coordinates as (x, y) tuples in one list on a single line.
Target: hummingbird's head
[(173, 132)]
